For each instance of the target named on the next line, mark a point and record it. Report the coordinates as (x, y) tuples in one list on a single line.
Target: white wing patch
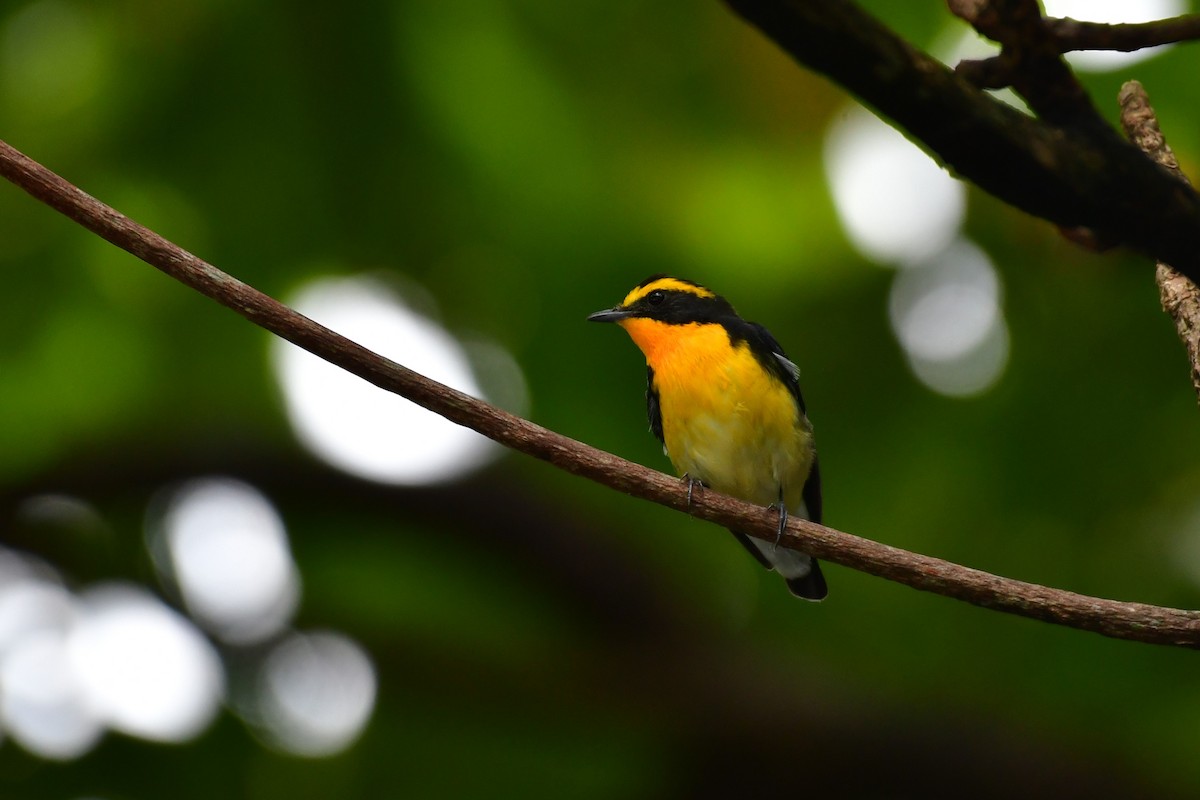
[(788, 365)]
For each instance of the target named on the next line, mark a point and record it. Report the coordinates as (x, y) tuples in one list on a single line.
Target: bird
[(725, 402)]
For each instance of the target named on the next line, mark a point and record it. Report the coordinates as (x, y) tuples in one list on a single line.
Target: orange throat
[(656, 339)]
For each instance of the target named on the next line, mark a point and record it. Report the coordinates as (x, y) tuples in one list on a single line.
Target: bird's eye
[(656, 297)]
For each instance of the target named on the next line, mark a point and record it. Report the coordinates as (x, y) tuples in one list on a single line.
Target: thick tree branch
[(1135, 621), (1179, 296), (1076, 178)]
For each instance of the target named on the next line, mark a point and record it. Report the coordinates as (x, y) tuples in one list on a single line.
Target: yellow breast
[(726, 420)]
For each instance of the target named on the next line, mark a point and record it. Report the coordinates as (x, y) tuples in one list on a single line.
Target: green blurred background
[(507, 167)]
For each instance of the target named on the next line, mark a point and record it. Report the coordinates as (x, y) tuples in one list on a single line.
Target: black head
[(674, 301)]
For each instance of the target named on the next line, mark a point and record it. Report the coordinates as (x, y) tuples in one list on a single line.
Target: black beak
[(610, 315)]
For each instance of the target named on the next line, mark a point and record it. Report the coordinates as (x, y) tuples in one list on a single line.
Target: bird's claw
[(692, 483), (783, 520)]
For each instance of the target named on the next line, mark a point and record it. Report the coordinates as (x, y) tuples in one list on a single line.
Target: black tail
[(811, 586)]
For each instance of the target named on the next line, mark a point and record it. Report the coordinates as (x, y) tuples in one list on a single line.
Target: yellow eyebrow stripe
[(666, 285)]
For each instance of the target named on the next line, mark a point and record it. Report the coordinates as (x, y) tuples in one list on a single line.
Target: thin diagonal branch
[(1179, 296), (1134, 621), (1074, 178)]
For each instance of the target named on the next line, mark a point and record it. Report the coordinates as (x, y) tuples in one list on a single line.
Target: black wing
[(812, 492), (653, 412)]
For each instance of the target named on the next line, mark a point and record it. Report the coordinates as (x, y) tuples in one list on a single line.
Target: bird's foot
[(692, 483), (783, 520)]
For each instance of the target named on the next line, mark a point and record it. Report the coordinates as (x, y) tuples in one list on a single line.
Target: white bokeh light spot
[(317, 693), (144, 669), (228, 553), (896, 205), (947, 315), (974, 373), (1113, 12), (944, 308), (29, 605), (360, 428), (42, 701)]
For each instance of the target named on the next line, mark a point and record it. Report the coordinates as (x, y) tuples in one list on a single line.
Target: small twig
[(1068, 35), (993, 72), (1073, 34), (1179, 296), (1030, 61), (1134, 621)]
